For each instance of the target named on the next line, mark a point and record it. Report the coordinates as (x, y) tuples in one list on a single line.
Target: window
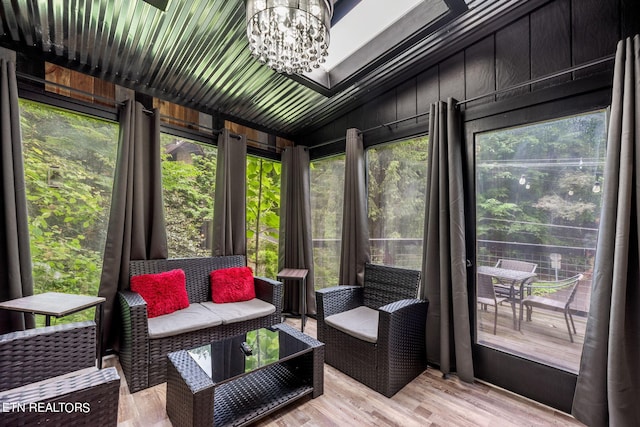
[(396, 188), (188, 190), (69, 165), (327, 190), (538, 202), (263, 215)]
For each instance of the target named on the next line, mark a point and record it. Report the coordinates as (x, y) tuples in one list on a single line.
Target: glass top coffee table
[(236, 381)]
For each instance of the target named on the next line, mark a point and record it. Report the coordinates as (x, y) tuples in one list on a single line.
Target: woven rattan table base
[(253, 396), (193, 399)]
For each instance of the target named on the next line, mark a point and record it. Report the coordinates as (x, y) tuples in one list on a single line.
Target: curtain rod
[(543, 78), (395, 122), (116, 103), (361, 132), (475, 98)]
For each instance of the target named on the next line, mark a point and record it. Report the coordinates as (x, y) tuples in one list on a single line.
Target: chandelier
[(290, 36)]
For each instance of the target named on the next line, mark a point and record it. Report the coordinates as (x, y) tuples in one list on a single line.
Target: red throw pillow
[(164, 292), (232, 284)]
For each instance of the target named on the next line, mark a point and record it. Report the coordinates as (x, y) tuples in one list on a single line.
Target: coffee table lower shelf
[(193, 399), (248, 398)]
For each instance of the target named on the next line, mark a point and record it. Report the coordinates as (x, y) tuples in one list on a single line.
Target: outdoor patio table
[(515, 278)]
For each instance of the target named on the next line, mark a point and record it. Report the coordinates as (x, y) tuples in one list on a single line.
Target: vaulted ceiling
[(195, 54)]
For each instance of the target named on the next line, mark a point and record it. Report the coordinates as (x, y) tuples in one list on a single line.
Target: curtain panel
[(444, 272), (136, 228), (16, 278), (296, 246), (609, 381), (355, 251), (229, 212)]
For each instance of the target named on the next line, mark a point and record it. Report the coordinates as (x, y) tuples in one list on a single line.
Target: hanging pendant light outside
[(289, 36), (597, 186)]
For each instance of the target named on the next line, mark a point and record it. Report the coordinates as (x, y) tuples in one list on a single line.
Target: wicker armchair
[(385, 358), (144, 360), (49, 376)]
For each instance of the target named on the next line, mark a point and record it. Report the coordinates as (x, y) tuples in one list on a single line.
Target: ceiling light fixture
[(290, 36)]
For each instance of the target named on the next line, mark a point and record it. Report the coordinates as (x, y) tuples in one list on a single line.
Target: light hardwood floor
[(429, 400)]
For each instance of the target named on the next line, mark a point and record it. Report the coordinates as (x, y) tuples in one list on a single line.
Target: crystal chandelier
[(290, 36)]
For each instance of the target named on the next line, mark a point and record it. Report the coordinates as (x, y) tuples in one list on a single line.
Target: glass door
[(536, 205)]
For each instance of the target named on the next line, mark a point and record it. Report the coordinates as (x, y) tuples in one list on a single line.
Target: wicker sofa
[(49, 377), (143, 351), (375, 333)]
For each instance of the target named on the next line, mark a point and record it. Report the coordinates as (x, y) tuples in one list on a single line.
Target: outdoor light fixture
[(290, 36), (596, 186), (523, 180)]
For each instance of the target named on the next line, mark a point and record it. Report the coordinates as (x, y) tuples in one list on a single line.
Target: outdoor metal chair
[(563, 291), (375, 333), (486, 296), (506, 289)]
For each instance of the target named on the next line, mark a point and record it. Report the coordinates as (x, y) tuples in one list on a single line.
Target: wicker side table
[(58, 305), (301, 275)]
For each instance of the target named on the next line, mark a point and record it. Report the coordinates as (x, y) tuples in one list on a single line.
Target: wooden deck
[(544, 339), (429, 400)]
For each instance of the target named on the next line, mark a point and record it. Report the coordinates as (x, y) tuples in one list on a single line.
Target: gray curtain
[(296, 249), (355, 227), (136, 223), (444, 273), (608, 387), (16, 279), (229, 212)]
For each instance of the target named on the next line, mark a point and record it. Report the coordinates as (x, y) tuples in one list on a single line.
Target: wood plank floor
[(544, 339), (429, 400)]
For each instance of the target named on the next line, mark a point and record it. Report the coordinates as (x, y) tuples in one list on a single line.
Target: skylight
[(362, 24), (367, 33)]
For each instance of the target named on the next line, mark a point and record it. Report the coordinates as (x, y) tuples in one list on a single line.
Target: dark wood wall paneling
[(480, 71), (551, 26), (552, 38), (513, 58)]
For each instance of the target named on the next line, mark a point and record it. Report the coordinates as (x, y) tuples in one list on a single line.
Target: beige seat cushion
[(360, 322), (188, 319), (232, 312)]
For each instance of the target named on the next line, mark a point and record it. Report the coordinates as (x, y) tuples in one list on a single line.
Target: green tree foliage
[(188, 189), (69, 164), (327, 189), (396, 189), (188, 179), (263, 215), (534, 187)]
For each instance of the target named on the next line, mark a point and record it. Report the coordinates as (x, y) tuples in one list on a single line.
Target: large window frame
[(263, 214), (326, 252), (203, 246), (29, 93), (402, 250), (34, 93), (537, 381)]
